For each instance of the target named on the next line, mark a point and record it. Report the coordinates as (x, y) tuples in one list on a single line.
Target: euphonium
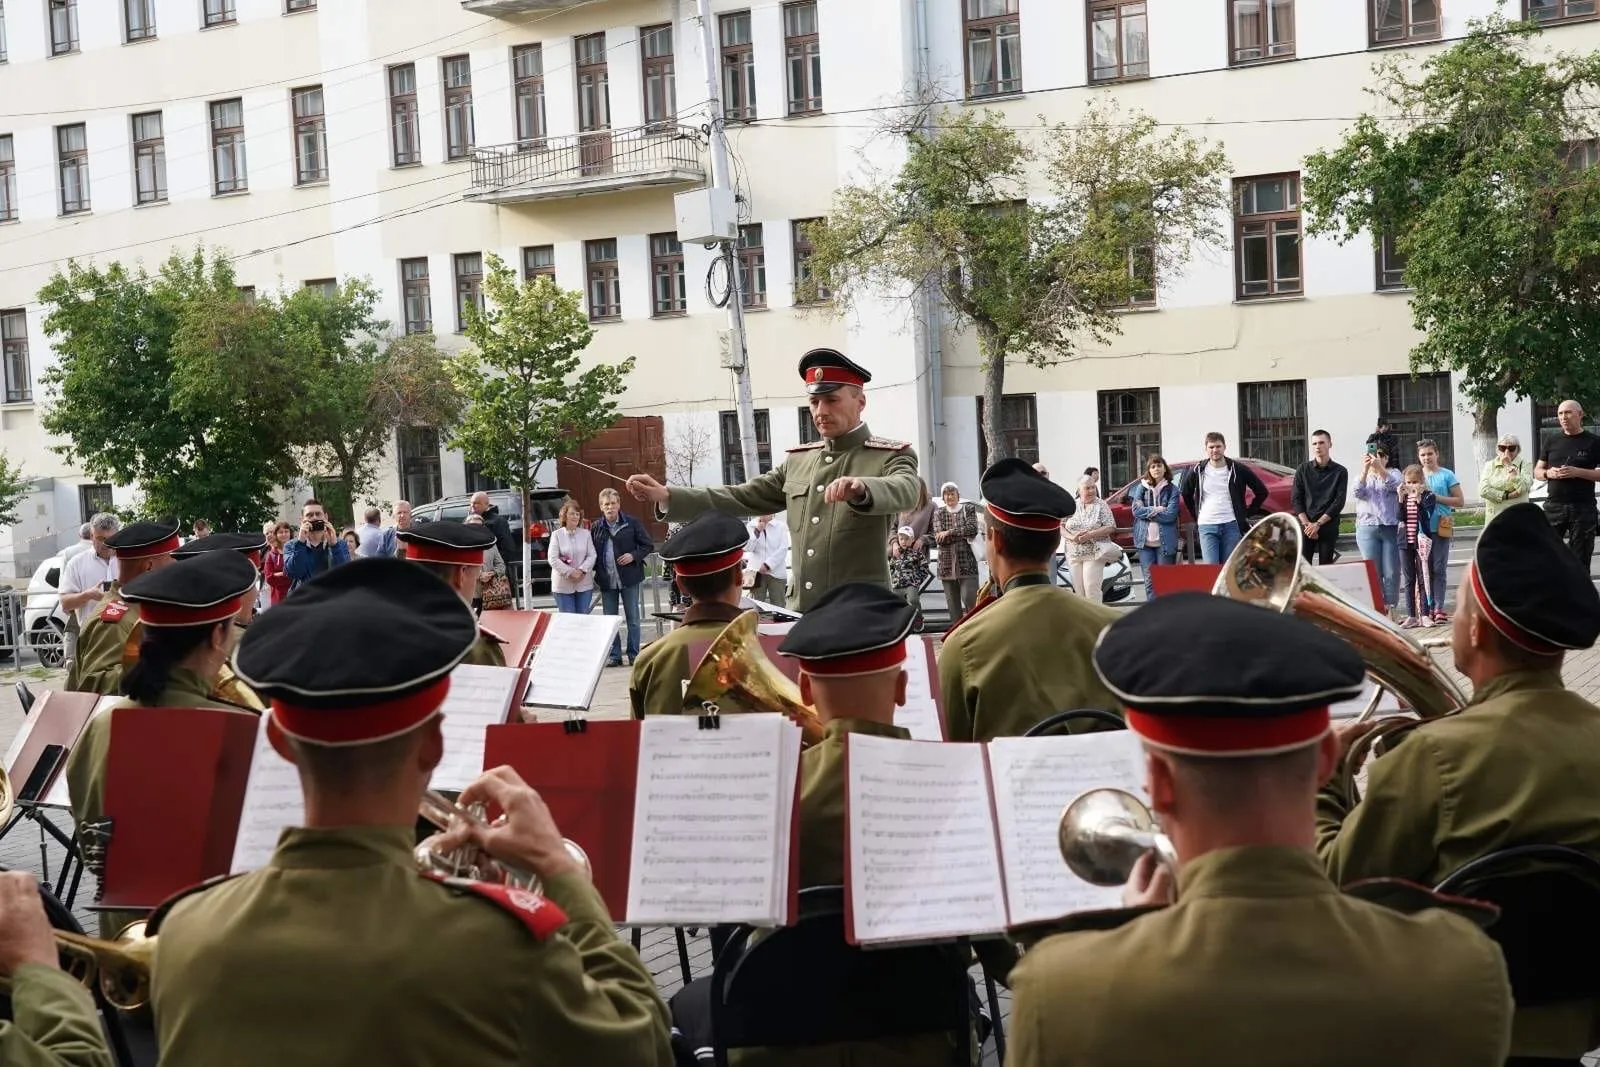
[(469, 862), (736, 667), (1103, 833), (121, 968)]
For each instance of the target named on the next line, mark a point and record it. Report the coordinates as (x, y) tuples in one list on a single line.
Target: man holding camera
[(318, 548)]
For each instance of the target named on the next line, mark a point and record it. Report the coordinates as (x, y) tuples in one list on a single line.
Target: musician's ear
[(900, 689), (431, 751), (1158, 782), (1327, 757), (805, 690)]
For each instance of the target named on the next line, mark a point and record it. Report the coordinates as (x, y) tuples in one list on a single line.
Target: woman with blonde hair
[(1089, 545), (572, 559)]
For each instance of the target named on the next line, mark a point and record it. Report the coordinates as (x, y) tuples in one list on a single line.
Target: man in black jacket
[(1214, 494), (1319, 493), (496, 524)]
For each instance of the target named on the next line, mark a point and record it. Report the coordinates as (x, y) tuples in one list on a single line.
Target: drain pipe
[(931, 304)]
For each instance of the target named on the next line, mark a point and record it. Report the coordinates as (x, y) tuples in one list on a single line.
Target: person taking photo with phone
[(317, 548)]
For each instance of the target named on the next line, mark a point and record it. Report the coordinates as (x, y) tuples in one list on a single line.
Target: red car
[(1278, 479)]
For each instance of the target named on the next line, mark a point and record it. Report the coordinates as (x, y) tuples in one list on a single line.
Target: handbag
[(1447, 526), (1109, 552), (496, 593)]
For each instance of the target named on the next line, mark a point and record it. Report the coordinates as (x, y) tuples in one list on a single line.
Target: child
[(1415, 515), (908, 567)]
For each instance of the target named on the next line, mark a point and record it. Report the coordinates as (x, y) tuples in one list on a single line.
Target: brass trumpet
[(1103, 833), (473, 863), (120, 968), (736, 667)]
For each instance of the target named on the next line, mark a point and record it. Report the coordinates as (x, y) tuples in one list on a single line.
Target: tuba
[(1103, 832), (736, 667)]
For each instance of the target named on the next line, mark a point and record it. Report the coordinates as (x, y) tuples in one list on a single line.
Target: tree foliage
[(1036, 277), (14, 489), (1469, 165)]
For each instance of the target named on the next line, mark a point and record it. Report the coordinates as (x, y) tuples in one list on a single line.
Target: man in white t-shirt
[(87, 578), (1214, 493)]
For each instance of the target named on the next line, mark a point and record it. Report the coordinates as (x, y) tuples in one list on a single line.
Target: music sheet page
[(1034, 779), (923, 862), (789, 776), (480, 697), (567, 664), (705, 821), (920, 713), (272, 801)]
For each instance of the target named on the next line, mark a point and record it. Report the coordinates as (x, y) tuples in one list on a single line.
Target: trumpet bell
[(1103, 832), (736, 668)]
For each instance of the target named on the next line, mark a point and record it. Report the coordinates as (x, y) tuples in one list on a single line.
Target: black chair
[(1058, 722), (24, 697), (804, 985), (1549, 925)]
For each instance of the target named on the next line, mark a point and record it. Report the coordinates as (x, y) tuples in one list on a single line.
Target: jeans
[(1574, 524), (1438, 573), (575, 603), (1087, 574), (629, 597), (1149, 556), (1218, 540), (1377, 543)]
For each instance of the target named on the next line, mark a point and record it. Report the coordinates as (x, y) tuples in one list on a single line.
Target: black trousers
[(1575, 524), (1319, 549)]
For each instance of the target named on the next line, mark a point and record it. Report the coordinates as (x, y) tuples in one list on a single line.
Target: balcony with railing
[(586, 163), (519, 7)]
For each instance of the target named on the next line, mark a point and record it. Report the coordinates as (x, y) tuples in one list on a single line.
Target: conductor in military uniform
[(1262, 960), (453, 553), (842, 494), (53, 1020), (707, 557), (1519, 765), (339, 951), (109, 642), (1023, 656)]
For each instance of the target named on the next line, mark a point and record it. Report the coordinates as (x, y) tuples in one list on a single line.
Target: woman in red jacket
[(272, 562)]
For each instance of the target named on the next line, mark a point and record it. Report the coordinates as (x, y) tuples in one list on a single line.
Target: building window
[(527, 67), (479, 482), (1416, 408), (1559, 10), (668, 292), (994, 47), (63, 27), (3, 54), (139, 19), (310, 136), (594, 83), (8, 180), (605, 286), (1119, 40), (1142, 272), (291, 6), (752, 258), (149, 159), (800, 241), (72, 155), (1272, 421), (405, 137), (247, 293), (1019, 427), (738, 67), (94, 500), (539, 261), (808, 427), (733, 450), (14, 355), (414, 295), (1267, 235), (229, 174), (1260, 29), (1391, 264), (1581, 155), (469, 286), (458, 131), (328, 287), (1394, 21), (418, 450), (1130, 432), (220, 12), (803, 50), (660, 83)]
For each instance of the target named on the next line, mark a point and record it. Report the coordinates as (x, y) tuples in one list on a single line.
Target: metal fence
[(641, 151)]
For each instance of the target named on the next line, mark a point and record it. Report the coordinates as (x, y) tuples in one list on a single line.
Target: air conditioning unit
[(706, 216)]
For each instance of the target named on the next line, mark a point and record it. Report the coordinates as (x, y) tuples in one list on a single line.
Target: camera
[(318, 525), (1372, 448)]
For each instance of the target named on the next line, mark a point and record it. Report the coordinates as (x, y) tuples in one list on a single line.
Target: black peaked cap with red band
[(208, 588), (1529, 585), (447, 542), (248, 545), (855, 628), (138, 540), (826, 369), (708, 543), (1209, 676), (1017, 495), (358, 654)]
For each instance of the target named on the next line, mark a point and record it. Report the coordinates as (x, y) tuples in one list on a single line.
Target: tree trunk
[(994, 381), (1485, 431), (527, 554)]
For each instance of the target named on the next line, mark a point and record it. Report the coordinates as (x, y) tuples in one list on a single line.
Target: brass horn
[(1267, 569), (121, 967), (1103, 833), (735, 667), (469, 862)]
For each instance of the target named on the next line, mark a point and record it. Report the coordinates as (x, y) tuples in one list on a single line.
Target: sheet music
[(567, 664), (1389, 704), (923, 857), (788, 777), (920, 712), (272, 801), (705, 820), (58, 796), (479, 698), (1034, 779), (1352, 580)]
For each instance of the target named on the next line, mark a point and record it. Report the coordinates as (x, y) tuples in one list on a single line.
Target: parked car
[(544, 506), (43, 619), (1278, 479)]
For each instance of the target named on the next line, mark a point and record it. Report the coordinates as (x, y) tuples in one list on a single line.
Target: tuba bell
[(1103, 832), (736, 667)]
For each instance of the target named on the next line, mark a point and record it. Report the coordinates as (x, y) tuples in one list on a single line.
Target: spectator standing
[(908, 567), (1415, 514), (371, 534), (494, 588), (953, 527), (202, 528), (391, 544), (500, 526), (1320, 486), (84, 542), (1154, 500), (87, 578), (1447, 496), (273, 575), (572, 562), (1382, 435), (919, 518), (620, 543), (318, 547), (1506, 478), (1377, 504), (352, 541), (1214, 493), (766, 556), (1568, 465), (1090, 547)]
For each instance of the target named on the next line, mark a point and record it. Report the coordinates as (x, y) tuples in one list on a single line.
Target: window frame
[(468, 285), (801, 251), (1023, 441), (532, 270), (328, 287), (1264, 22), (79, 162), (1411, 424), (658, 70), (733, 445), (990, 25), (8, 179), (592, 83), (1387, 277), (602, 270), (739, 62), (1286, 437), (802, 52), (215, 13), (751, 259), (529, 87), (1408, 33), (93, 499), (232, 140), (1095, 7), (129, 36), (69, 10), (315, 125), (666, 264), (415, 459), (1137, 437), (1137, 300), (5, 54), (1564, 17), (1271, 220), (457, 101), (416, 287), (404, 117), (296, 7), (12, 348), (155, 150)]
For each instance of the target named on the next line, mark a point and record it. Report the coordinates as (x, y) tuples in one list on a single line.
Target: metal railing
[(555, 161)]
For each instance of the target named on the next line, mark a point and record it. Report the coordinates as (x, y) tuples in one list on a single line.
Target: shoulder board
[(1409, 898), (810, 446), (114, 610), (1031, 934), (534, 910), (491, 635), (160, 914), (885, 443)]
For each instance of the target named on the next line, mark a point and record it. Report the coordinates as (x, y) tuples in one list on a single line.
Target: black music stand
[(30, 805)]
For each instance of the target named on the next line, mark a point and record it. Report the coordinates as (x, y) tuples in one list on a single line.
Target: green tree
[(527, 398), (1471, 168), (1120, 204), (14, 488)]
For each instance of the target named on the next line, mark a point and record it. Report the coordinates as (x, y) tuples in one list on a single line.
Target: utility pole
[(722, 178)]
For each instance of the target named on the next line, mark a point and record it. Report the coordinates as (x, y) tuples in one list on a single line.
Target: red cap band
[(254, 556), (833, 375), (1512, 632), (153, 614), (160, 548), (428, 552), (694, 568), (1024, 522), (879, 659), (1230, 735), (362, 725)]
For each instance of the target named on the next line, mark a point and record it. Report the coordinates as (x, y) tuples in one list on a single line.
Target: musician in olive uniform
[(54, 1022), (707, 556), (339, 951), (251, 546), (109, 642), (453, 552), (1262, 960), (842, 494), (1520, 765), (1022, 655)]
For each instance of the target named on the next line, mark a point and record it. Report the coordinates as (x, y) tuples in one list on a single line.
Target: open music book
[(569, 653), (959, 840)]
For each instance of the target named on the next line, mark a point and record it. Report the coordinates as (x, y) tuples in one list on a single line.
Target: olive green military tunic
[(338, 953), (55, 1025), (831, 544), (488, 650), (1020, 660), (1521, 765), (656, 685), (108, 645), (1262, 962)]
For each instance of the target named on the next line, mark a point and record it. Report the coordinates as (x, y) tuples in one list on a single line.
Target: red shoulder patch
[(533, 910), (491, 635), (810, 447), (114, 610)]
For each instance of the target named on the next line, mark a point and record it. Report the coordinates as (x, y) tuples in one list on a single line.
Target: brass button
[(815, 519)]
